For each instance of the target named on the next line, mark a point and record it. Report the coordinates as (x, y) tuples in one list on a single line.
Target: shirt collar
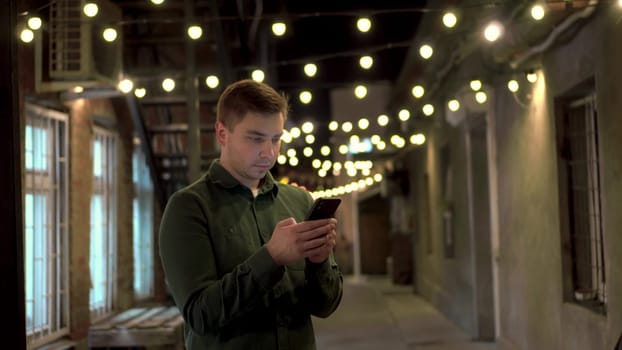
[(219, 175)]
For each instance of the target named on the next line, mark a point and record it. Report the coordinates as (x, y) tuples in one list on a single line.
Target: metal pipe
[(570, 20)]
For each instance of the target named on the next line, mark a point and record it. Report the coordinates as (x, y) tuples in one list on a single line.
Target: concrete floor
[(375, 314)]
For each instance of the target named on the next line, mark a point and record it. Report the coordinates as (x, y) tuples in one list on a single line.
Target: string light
[(258, 75), (110, 34), (481, 97), (532, 77), (195, 32), (417, 139), (360, 91), (346, 127), (310, 69), (34, 23), (493, 31), (475, 85), (325, 151), (307, 127), (363, 24), (305, 97), (404, 115), (426, 51), (383, 120), (418, 91), (366, 62), (286, 137), (212, 81), (140, 92), (157, 2), (363, 123), (450, 20), (513, 85), (307, 151), (168, 84), (279, 28), (537, 12), (454, 105), (26, 35), (428, 109), (126, 86), (90, 9), (295, 132)]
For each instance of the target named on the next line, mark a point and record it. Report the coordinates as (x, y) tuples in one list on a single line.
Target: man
[(241, 264)]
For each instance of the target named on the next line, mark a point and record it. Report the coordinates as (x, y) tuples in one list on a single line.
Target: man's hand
[(293, 241)]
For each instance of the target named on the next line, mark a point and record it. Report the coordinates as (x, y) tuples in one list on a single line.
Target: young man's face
[(251, 148)]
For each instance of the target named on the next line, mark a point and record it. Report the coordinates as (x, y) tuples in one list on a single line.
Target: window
[(582, 232), (45, 225), (103, 252), (142, 226)]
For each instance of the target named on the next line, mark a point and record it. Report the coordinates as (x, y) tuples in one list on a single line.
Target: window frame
[(580, 199), (51, 183), (142, 220), (108, 189)]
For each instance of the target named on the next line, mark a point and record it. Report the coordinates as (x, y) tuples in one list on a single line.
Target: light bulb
[(195, 32), (475, 85), (110, 34), (363, 24), (493, 31), (310, 69), (279, 28), (360, 91), (34, 23), (305, 97), (426, 51), (537, 12), (212, 81), (513, 85), (366, 62), (453, 105), (418, 91), (258, 75), (450, 20)]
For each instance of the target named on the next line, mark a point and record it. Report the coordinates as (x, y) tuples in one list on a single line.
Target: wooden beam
[(177, 128)]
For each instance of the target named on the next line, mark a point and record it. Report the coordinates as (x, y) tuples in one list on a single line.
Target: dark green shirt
[(229, 290)]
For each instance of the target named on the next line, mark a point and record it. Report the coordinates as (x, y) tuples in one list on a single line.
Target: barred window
[(580, 192), (45, 225), (142, 226), (103, 254)]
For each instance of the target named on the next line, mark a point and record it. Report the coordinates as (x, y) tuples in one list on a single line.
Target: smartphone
[(323, 208)]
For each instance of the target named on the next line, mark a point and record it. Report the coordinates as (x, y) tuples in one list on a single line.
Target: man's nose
[(267, 150)]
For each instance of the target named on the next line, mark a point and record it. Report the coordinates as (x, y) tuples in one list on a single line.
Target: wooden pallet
[(158, 327)]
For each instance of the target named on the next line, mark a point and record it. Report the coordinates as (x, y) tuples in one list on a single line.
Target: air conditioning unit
[(73, 51)]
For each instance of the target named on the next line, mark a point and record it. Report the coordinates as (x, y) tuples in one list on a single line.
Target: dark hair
[(246, 96)]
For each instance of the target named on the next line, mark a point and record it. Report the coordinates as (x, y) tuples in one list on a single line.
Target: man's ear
[(221, 132)]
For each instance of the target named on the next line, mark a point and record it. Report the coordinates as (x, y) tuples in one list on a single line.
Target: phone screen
[(323, 208)]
